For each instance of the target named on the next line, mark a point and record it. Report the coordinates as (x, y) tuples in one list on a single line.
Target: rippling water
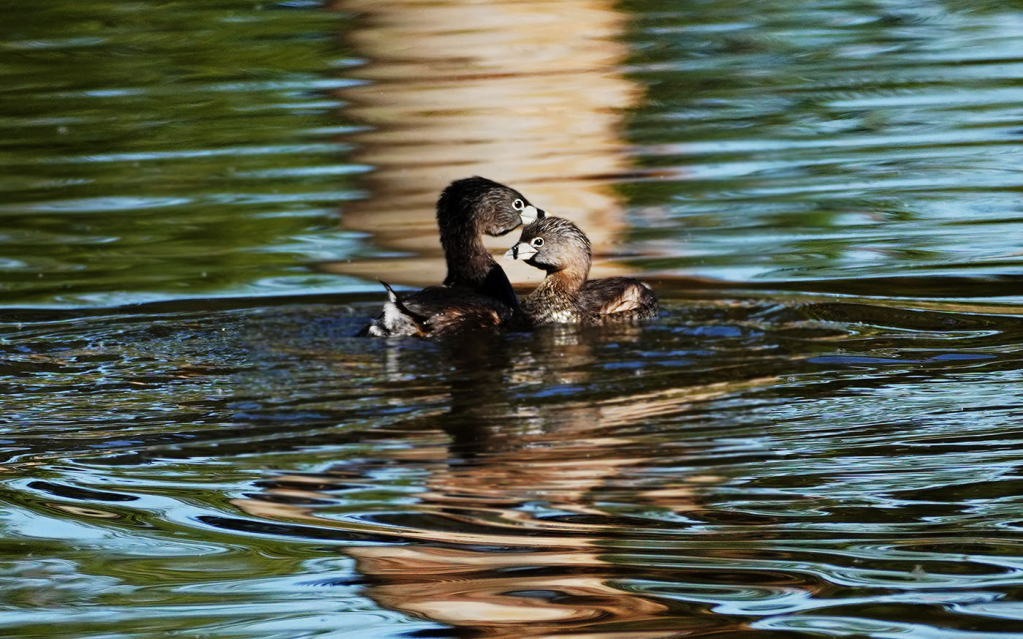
[(818, 437)]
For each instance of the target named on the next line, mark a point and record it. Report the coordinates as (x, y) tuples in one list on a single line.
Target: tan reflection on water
[(523, 92), (475, 552), (461, 584)]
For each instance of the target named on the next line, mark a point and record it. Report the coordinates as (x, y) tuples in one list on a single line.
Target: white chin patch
[(520, 252), (529, 214)]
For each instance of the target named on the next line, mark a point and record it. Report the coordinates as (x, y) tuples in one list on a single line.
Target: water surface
[(818, 437)]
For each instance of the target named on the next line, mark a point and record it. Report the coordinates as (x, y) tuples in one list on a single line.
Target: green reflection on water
[(836, 140), (173, 149)]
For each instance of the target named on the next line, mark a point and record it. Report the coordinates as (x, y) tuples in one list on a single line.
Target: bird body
[(438, 311), (476, 294), (566, 296)]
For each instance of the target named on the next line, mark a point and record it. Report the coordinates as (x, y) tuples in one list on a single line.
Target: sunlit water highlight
[(818, 437)]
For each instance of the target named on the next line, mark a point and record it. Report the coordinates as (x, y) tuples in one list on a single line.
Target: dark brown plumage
[(468, 209), (476, 294), (438, 311), (566, 296)]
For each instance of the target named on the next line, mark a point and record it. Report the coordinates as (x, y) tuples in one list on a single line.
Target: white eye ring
[(519, 205), (537, 242)]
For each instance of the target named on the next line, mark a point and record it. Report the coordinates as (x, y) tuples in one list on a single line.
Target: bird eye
[(518, 205), (537, 242)]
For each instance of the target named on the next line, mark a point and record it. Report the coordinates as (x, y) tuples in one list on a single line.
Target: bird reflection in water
[(512, 532)]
